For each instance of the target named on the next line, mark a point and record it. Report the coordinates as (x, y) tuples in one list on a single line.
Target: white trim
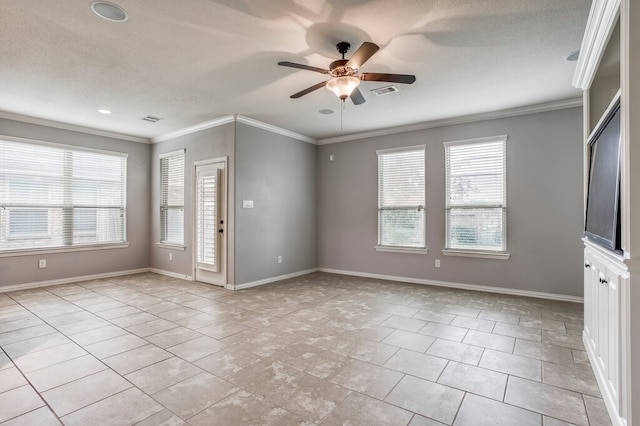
[(66, 249), (472, 287), (479, 254), (272, 279), (488, 139), (230, 119), (531, 109), (59, 281), (171, 274), (402, 149), (72, 127), (409, 250), (171, 246), (181, 151), (615, 102), (274, 129), (602, 384), (193, 129), (600, 25), (224, 258)]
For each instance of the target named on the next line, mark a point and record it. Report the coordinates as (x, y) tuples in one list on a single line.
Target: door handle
[(221, 230)]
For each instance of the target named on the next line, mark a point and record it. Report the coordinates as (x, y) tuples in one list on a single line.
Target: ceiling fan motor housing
[(339, 68)]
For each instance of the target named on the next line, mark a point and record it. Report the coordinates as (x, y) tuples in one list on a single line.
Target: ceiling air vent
[(385, 90), (151, 118)]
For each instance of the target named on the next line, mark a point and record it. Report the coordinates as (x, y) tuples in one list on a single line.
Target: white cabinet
[(604, 274)]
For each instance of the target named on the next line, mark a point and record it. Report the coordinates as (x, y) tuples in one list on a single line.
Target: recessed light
[(326, 111), (573, 56), (104, 111), (109, 11)]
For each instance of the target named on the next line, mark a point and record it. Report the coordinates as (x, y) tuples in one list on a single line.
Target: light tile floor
[(319, 349)]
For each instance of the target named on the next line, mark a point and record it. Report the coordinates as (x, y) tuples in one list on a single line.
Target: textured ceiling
[(191, 61)]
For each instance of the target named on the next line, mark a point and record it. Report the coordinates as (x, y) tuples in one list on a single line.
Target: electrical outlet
[(170, 256), (42, 263), (279, 259), (437, 263)]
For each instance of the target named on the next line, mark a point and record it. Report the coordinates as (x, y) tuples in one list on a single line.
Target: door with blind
[(210, 222)]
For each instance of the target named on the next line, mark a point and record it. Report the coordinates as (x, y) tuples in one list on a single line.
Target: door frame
[(194, 200)]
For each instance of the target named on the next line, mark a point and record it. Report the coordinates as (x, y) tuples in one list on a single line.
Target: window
[(401, 198), (476, 209), (172, 198), (55, 196)]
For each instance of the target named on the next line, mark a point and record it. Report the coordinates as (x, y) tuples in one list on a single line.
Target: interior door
[(211, 219)]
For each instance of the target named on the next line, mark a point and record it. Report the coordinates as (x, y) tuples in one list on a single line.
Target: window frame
[(164, 202), (68, 234), (421, 207), (501, 253)]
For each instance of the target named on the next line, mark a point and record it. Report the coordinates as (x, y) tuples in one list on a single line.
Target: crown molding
[(72, 127), (600, 25), (274, 129), (531, 109), (193, 129), (230, 119)]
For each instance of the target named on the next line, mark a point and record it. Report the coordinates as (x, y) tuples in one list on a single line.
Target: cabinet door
[(602, 303), (612, 339), (589, 300)]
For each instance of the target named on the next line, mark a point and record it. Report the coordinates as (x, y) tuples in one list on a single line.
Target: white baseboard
[(472, 287), (48, 283), (273, 279), (616, 420), (171, 274)]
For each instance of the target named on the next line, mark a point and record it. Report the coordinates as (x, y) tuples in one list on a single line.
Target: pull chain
[(341, 112)]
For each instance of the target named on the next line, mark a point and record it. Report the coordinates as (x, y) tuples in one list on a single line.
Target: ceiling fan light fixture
[(343, 86)]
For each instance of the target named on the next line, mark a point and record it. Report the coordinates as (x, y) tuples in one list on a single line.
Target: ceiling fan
[(346, 78)]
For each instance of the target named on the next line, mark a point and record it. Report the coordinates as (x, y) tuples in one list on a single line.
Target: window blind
[(401, 198), (207, 217), (475, 195), (172, 198), (57, 196)]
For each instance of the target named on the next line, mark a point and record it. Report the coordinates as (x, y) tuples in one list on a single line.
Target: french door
[(210, 254)]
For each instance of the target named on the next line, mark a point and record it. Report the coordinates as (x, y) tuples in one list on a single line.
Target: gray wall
[(24, 269), (544, 206), (279, 174), (207, 144)]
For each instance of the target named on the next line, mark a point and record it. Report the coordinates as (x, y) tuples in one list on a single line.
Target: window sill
[(171, 246), (69, 249), (409, 250), (479, 254)]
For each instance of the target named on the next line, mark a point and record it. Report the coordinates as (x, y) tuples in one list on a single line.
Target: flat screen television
[(602, 219)]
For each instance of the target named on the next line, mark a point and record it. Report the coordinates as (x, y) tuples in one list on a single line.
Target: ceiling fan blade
[(303, 67), (308, 90), (393, 78), (356, 97), (362, 55)]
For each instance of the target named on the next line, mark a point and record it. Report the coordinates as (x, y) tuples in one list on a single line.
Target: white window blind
[(172, 198), (401, 197), (57, 196), (476, 208)]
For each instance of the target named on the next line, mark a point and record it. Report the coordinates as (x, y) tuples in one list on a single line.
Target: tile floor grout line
[(46, 404), (302, 306)]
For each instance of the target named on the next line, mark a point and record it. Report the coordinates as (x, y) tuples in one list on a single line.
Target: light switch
[(247, 204)]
